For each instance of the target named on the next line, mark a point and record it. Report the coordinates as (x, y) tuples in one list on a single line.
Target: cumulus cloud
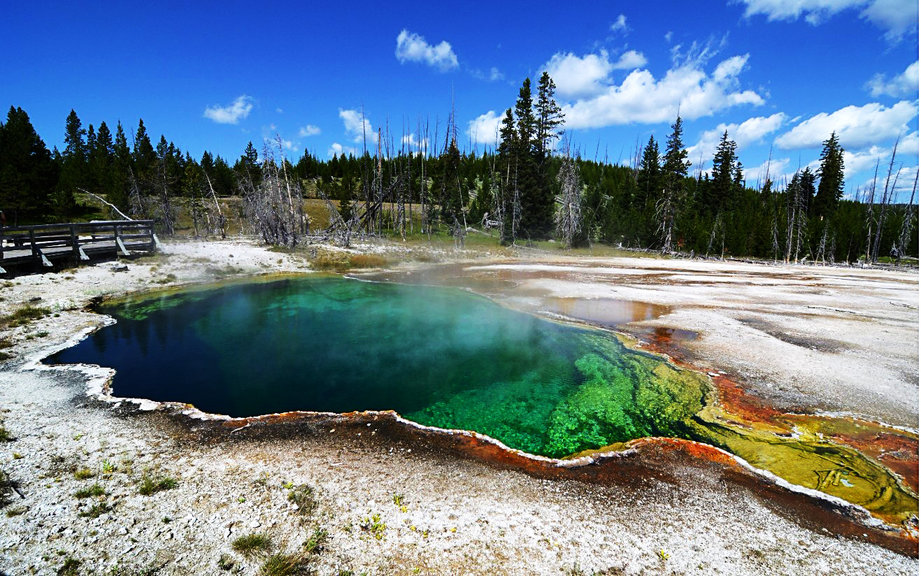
[(484, 129), (776, 169), (413, 48), (748, 132), (855, 126), (238, 110), (895, 17), (641, 98), (358, 128), (629, 60), (308, 130), (904, 84), (337, 149), (576, 76), (620, 24)]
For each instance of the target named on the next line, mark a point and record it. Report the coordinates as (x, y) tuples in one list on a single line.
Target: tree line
[(533, 186)]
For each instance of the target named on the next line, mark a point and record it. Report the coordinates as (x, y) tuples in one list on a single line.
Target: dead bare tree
[(888, 192), (270, 207), (871, 217), (908, 219), (216, 218), (569, 201)]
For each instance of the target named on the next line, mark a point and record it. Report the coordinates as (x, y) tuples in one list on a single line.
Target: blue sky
[(774, 73)]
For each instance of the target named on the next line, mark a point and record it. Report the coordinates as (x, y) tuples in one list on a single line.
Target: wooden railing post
[(74, 244), (32, 243)]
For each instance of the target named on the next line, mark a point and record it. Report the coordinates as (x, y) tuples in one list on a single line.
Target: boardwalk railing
[(77, 241)]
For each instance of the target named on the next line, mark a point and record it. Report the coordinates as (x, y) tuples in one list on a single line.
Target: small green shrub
[(150, 485), (252, 545), (5, 435), (373, 525), (314, 544)]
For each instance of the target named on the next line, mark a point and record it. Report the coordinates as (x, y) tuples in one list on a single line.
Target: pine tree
[(674, 171), (509, 207), (725, 185), (831, 174), (27, 172), (101, 156), (74, 167), (549, 116), (648, 176)]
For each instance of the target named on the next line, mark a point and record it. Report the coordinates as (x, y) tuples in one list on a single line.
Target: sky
[(327, 77)]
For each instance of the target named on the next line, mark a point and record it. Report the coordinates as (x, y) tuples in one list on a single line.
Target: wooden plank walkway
[(74, 242)]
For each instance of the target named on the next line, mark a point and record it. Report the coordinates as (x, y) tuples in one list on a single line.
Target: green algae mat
[(441, 357)]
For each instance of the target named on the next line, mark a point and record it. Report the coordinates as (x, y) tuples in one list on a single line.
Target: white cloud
[(902, 182), (904, 84), (337, 149), (855, 126), (629, 60), (775, 169), (358, 128), (484, 129), (576, 76), (620, 25), (413, 48), (232, 114), (641, 98), (495, 75), (748, 132), (308, 130), (896, 17)]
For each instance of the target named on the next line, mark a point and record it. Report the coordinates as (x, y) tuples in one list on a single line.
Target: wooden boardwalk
[(74, 243)]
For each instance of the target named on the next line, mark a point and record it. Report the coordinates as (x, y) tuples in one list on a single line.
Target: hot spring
[(446, 358)]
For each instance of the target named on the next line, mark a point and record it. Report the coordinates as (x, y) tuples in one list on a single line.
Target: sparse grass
[(285, 565), (341, 261), (166, 279), (5, 435), (253, 545), (83, 473), (304, 498), (7, 488), (16, 511), (367, 261), (71, 567), (90, 491), (4, 356), (97, 510), (23, 316), (5, 343), (151, 485), (226, 563)]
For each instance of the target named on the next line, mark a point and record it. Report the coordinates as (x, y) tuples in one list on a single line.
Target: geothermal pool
[(441, 357)]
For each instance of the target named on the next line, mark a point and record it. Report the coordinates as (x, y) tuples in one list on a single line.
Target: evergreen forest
[(534, 186)]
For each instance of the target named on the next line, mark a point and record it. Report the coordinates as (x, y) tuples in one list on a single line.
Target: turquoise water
[(438, 356)]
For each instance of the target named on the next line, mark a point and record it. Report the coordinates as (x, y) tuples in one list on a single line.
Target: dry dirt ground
[(836, 340)]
